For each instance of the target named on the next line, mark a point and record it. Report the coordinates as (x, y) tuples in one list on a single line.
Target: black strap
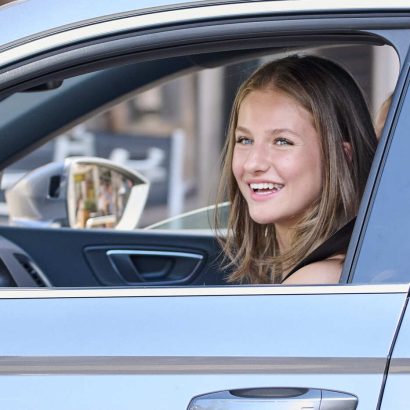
[(336, 244)]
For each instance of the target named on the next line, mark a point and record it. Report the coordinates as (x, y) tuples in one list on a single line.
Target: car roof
[(23, 18)]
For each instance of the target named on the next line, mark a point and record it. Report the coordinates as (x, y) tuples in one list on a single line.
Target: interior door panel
[(145, 265), (87, 258)]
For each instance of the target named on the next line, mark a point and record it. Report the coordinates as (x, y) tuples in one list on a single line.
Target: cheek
[(307, 170)]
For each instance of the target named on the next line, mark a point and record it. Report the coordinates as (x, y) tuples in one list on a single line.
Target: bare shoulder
[(325, 272)]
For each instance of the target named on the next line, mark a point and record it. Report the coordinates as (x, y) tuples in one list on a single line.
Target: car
[(145, 318)]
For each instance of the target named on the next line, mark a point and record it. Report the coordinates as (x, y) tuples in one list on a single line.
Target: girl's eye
[(283, 141), (243, 141)]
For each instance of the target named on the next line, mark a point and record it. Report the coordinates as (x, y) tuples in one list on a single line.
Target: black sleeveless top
[(336, 244)]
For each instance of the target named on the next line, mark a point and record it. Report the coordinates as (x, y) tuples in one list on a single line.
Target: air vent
[(6, 280), (33, 270)]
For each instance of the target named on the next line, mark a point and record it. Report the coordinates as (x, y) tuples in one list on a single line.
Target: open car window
[(171, 133)]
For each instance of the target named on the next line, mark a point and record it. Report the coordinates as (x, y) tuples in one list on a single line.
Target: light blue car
[(140, 319)]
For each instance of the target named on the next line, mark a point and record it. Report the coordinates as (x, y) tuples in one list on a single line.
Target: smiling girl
[(299, 149)]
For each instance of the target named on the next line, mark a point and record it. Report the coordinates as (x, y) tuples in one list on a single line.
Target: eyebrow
[(243, 129), (271, 132)]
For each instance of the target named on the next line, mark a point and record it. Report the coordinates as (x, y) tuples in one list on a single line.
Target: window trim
[(265, 290)]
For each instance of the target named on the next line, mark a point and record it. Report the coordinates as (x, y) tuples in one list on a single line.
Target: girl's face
[(276, 160)]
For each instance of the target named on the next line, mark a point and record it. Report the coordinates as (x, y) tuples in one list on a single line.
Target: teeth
[(266, 185)]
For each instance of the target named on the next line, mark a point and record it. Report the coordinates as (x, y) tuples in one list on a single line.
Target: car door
[(159, 348), (257, 347)]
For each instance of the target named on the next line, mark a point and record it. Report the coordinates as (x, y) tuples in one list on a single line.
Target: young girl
[(299, 149)]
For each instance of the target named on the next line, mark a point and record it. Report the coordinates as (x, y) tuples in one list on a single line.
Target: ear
[(347, 148)]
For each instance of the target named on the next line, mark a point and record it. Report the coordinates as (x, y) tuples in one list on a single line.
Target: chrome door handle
[(176, 267), (282, 398)]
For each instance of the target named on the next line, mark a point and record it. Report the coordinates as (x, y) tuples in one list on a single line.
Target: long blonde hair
[(340, 115)]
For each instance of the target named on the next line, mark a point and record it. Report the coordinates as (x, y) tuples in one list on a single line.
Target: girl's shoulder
[(324, 272)]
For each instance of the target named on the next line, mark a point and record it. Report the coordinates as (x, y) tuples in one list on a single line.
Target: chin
[(261, 219)]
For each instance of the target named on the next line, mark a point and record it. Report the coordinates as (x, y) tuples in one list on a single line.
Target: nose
[(257, 160)]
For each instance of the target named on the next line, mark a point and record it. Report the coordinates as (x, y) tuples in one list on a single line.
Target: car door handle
[(277, 398), (154, 266)]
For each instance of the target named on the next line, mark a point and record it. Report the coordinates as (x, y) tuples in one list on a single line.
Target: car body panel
[(399, 376), (195, 14), (28, 15), (157, 350)]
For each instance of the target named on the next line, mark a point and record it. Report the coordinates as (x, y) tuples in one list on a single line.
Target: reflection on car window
[(199, 219)]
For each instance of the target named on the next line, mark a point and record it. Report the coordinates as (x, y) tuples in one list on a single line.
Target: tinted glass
[(385, 253)]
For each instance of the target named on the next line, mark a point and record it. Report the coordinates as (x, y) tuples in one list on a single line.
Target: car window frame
[(353, 248)]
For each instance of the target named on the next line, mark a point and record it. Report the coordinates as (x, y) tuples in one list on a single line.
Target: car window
[(198, 219), (383, 257), (173, 133)]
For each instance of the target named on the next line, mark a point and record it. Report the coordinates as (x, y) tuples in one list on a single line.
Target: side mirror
[(81, 192)]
